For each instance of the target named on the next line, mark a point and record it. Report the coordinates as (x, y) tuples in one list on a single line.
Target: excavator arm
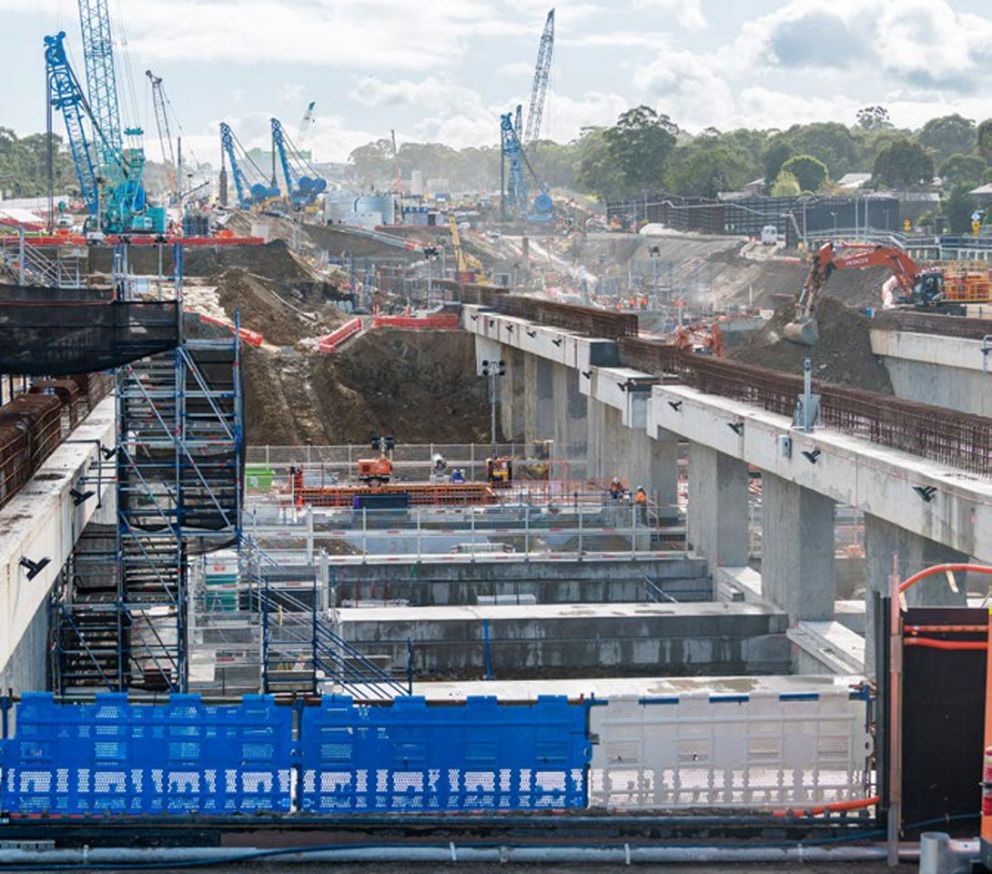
[(804, 328)]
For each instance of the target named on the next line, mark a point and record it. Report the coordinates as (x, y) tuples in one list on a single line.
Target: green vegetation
[(24, 165)]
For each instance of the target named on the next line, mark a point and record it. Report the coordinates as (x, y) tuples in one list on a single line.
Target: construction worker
[(296, 475), (616, 489), (641, 502)]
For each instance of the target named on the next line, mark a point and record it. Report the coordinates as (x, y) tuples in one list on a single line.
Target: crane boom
[(248, 193), (303, 183), (162, 125), (101, 74), (542, 70), (66, 95)]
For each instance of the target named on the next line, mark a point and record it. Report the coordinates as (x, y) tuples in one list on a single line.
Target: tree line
[(646, 151), (24, 165)]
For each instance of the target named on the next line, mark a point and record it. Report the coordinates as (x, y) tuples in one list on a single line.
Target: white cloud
[(620, 39), (688, 13), (516, 69)]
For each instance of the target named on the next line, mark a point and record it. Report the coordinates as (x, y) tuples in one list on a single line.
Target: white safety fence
[(743, 751)]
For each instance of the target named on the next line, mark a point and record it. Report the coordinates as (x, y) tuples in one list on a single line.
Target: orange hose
[(954, 645), (940, 569), (832, 807)]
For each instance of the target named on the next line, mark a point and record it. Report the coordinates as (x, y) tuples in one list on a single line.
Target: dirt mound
[(265, 306), (842, 355), (418, 386)]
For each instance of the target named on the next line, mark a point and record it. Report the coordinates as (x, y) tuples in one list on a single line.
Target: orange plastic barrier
[(442, 322), (329, 343)]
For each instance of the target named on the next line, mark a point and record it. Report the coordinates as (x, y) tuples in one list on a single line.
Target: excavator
[(910, 285), (468, 267)]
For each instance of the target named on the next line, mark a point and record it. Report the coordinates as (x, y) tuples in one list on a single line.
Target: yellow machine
[(468, 268)]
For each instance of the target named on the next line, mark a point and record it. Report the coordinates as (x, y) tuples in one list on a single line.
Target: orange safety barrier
[(442, 322), (832, 807), (252, 338), (421, 494), (330, 342)]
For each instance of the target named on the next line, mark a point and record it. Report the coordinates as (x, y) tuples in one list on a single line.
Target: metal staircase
[(179, 474)]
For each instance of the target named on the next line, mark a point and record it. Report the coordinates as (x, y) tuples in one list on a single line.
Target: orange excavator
[(913, 285), (703, 338)]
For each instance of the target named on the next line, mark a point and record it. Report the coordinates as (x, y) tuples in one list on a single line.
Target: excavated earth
[(842, 355), (419, 386)]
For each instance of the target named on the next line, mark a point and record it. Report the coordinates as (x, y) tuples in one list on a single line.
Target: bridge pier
[(797, 549), (885, 542), (718, 511), (511, 394), (570, 414), (539, 414)]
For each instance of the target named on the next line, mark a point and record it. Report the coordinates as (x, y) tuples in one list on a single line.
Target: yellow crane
[(468, 268)]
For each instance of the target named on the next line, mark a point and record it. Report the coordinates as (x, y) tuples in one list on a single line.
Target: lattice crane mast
[(249, 193), (539, 90), (160, 103), (303, 183), (516, 189)]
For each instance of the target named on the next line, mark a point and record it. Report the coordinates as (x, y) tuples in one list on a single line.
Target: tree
[(373, 163), (829, 141), (597, 172), (873, 118), (707, 165), (984, 136), (808, 171), (948, 135), (962, 170), (786, 185), (777, 153), (903, 164), (640, 143), (958, 207)]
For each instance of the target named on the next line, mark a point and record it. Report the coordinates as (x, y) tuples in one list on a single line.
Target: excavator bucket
[(804, 331)]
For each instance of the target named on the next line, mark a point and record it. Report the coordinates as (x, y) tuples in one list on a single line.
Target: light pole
[(493, 370)]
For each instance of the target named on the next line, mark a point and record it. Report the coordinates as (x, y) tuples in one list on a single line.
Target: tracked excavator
[(910, 284)]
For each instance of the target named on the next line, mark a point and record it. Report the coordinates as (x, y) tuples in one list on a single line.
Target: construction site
[(410, 528)]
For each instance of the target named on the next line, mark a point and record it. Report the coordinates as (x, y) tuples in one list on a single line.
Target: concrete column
[(595, 438), (538, 399), (797, 549), (569, 407), (664, 474), (884, 542), (511, 395), (717, 513)]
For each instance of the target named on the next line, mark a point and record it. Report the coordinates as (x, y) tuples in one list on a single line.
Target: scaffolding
[(121, 608)]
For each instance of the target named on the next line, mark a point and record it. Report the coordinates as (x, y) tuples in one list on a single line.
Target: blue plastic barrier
[(412, 757), (112, 757)]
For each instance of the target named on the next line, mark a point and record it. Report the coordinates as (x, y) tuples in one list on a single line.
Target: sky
[(443, 70)]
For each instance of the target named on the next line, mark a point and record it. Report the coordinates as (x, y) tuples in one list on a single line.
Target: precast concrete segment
[(797, 549), (929, 368), (573, 640), (43, 521), (848, 469), (718, 508)]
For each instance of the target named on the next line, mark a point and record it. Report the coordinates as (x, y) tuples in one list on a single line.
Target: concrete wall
[(574, 641), (557, 582)]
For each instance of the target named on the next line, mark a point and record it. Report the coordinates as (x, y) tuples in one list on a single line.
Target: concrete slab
[(638, 687)]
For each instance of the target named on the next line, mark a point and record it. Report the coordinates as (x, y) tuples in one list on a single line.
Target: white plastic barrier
[(748, 750)]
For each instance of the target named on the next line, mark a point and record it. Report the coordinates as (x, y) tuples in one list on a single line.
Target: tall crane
[(303, 183), (539, 90), (516, 190), (249, 193), (306, 123), (160, 103), (101, 73)]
